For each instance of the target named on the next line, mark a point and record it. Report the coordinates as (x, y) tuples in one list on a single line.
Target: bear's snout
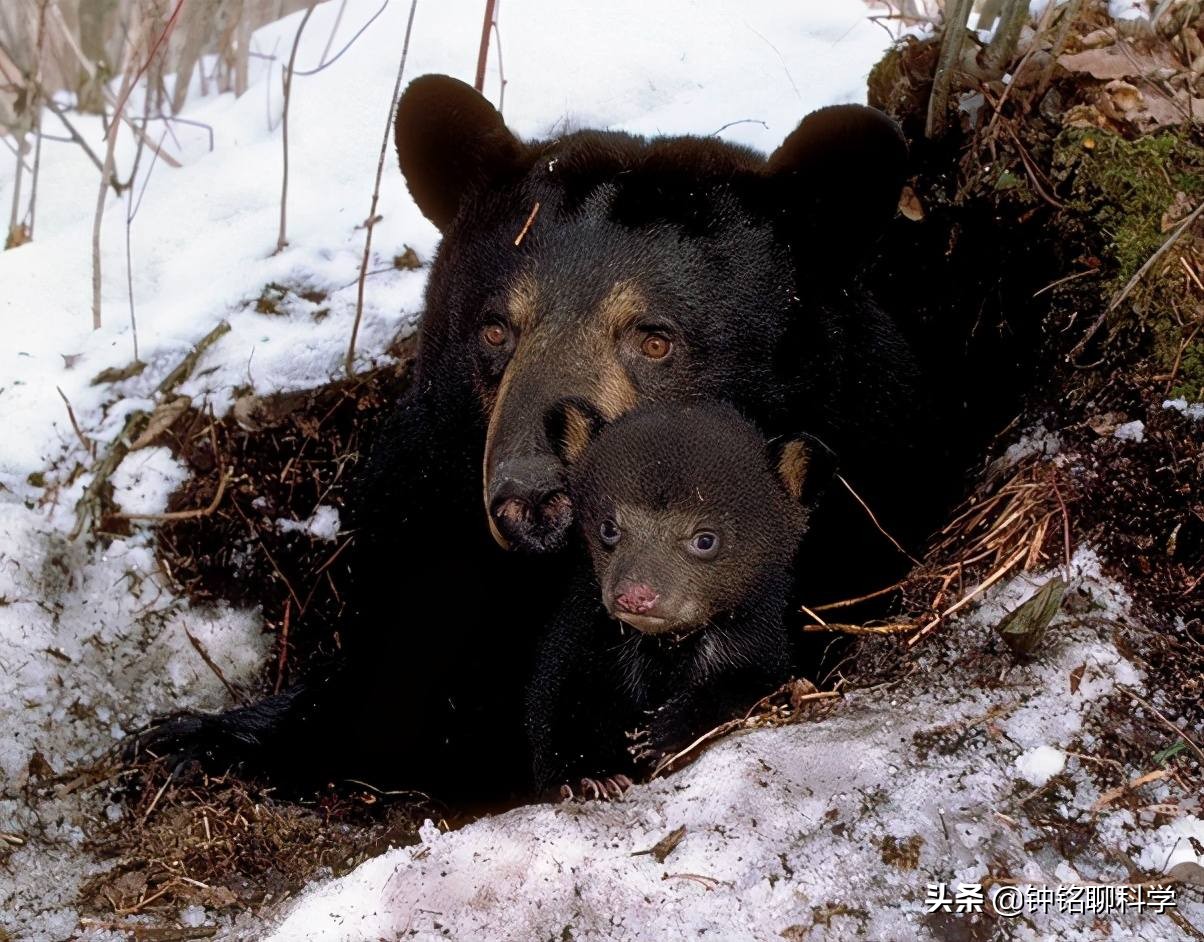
[(529, 506), (637, 598)]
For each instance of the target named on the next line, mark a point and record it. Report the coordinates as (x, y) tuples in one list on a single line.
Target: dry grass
[(227, 844)]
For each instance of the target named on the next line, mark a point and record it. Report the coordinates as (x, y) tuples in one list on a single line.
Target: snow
[(144, 481), (1130, 431), (823, 830), (1194, 410), (93, 641), (1039, 765), (1037, 440), (322, 524), (1128, 10), (1172, 844)]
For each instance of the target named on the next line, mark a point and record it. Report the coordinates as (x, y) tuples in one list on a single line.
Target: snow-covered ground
[(825, 830), (785, 827)]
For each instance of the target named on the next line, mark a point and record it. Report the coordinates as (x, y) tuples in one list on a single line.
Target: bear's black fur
[(676, 622), (620, 271)]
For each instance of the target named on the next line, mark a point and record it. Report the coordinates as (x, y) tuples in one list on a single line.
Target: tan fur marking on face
[(615, 395), (521, 301), (622, 306), (792, 467), (577, 434), (502, 389)]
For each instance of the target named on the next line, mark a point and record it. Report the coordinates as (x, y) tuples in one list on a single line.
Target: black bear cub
[(676, 621)]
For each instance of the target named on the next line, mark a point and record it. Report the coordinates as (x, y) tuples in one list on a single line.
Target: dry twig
[(281, 240), (1138, 275), (380, 167)]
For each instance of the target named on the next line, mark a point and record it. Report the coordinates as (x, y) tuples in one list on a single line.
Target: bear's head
[(614, 270), (689, 514)]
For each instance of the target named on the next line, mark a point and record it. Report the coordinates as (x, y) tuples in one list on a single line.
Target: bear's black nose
[(530, 507)]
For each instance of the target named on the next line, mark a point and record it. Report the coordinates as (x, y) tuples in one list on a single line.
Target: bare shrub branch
[(483, 52), (380, 167), (281, 238), (128, 80)]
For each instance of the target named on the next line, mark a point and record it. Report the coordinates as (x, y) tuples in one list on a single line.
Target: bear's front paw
[(185, 742)]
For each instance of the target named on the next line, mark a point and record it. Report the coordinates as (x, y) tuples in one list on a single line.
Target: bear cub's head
[(689, 515)]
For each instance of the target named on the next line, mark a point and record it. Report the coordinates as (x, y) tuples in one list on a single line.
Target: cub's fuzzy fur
[(675, 621)]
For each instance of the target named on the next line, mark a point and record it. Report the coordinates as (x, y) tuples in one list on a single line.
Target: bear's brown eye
[(656, 346), (494, 334)]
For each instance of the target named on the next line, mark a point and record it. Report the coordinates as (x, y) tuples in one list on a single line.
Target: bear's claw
[(612, 787)]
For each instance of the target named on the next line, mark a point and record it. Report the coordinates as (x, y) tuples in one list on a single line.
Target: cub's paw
[(610, 788)]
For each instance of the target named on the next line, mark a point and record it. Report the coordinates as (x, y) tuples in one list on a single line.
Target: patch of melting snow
[(1039, 765), (824, 830), (1194, 410), (1131, 431), (145, 479), (1037, 440), (322, 524)]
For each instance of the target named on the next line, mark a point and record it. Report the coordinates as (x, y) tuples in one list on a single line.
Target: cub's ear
[(571, 425), (838, 176), (805, 466), (450, 143)]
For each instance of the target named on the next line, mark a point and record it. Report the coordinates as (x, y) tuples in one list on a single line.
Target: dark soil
[(283, 456)]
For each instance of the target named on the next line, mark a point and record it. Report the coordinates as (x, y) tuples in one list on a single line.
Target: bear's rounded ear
[(450, 142), (839, 175), (804, 465)]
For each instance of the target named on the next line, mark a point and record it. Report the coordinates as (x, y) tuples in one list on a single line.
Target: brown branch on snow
[(483, 52), (501, 72), (281, 239), (23, 232), (212, 665), (338, 19), (349, 363), (89, 445), (325, 63), (186, 514)]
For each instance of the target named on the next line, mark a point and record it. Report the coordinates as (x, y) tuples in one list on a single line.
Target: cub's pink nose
[(636, 599)]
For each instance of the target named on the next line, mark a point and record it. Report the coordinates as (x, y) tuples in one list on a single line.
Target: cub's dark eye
[(495, 334), (704, 544), (609, 532), (656, 346)]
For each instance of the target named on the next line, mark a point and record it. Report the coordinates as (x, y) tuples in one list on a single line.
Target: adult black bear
[(613, 269), (676, 620)]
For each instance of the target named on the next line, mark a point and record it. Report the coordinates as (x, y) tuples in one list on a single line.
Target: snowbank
[(824, 830)]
